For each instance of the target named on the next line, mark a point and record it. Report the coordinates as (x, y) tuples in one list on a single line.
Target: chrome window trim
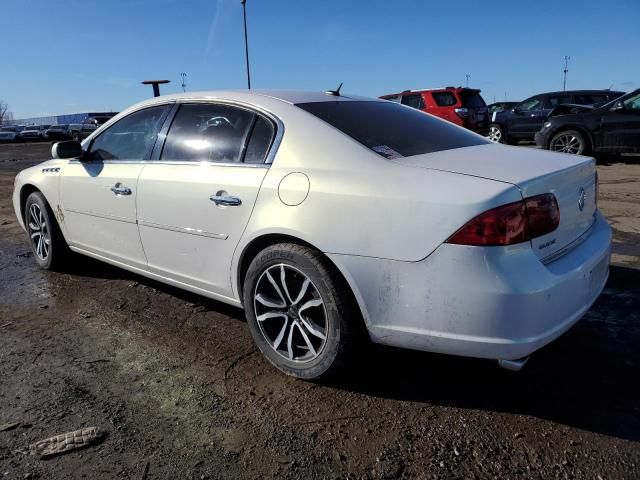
[(174, 162)]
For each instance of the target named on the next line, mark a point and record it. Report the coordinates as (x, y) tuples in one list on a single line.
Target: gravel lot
[(178, 385)]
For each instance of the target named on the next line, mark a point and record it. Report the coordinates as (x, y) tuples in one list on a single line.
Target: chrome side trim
[(566, 249), (102, 215), (189, 230), (176, 162)]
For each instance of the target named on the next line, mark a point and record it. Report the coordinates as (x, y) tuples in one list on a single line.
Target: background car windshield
[(392, 130), (633, 102)]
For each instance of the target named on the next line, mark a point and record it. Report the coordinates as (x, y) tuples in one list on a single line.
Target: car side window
[(208, 132), (632, 103), (589, 99), (395, 98), (533, 103), (414, 101), (260, 141), (553, 101), (130, 138), (444, 99)]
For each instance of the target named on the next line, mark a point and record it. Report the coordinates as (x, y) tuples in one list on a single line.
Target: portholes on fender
[(293, 188)]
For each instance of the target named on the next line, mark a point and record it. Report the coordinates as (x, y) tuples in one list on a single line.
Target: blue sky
[(68, 56)]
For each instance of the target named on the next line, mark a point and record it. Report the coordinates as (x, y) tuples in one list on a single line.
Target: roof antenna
[(336, 92)]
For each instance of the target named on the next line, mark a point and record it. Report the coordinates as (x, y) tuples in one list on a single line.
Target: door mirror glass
[(66, 150)]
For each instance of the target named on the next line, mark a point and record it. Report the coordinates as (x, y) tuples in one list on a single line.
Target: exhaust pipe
[(513, 365)]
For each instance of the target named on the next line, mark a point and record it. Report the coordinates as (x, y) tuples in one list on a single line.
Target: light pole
[(468, 76), (184, 85), (566, 63), (246, 43)]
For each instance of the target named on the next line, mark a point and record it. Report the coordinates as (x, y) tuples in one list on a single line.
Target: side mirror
[(618, 106), (67, 149)]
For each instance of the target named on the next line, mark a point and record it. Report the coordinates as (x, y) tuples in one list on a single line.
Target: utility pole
[(246, 43), (566, 64), (468, 76), (184, 85)]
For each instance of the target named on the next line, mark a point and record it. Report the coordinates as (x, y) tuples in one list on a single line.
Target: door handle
[(120, 189), (226, 200)]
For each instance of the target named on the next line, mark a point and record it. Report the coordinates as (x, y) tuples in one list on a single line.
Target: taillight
[(462, 112), (511, 223)]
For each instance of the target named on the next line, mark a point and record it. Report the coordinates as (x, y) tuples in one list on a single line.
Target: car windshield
[(392, 130)]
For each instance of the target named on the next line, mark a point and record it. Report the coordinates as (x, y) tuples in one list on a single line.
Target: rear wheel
[(45, 238), (569, 141), (298, 312), (496, 134)]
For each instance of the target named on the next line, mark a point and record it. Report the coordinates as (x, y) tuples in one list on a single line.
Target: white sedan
[(331, 219)]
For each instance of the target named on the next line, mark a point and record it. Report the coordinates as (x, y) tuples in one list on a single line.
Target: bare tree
[(4, 114)]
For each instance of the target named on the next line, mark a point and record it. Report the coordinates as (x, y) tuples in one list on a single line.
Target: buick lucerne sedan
[(331, 220)]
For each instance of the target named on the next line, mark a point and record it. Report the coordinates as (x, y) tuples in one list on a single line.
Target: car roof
[(572, 92)]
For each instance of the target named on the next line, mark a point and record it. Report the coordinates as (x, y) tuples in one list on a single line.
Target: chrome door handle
[(120, 189), (225, 200)]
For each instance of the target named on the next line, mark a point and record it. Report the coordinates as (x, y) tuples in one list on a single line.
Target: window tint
[(395, 98), (260, 140), (530, 104), (472, 100), (414, 101), (391, 130), (553, 101), (208, 132), (589, 99), (444, 99), (131, 138)]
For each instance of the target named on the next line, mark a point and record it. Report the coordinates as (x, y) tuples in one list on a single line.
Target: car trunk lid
[(570, 178)]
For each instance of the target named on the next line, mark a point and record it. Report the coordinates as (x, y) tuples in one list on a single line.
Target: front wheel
[(299, 313), (569, 141), (496, 133), (47, 243)]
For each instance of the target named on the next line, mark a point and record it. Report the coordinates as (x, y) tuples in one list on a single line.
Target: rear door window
[(260, 141), (444, 99), (587, 99), (414, 101), (552, 101), (391, 130)]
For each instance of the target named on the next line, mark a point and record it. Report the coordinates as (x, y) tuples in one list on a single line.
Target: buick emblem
[(582, 196)]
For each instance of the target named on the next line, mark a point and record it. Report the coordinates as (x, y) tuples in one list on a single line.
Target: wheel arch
[(580, 128), (255, 246), (26, 190)]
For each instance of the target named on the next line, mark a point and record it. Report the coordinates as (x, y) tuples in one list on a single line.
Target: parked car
[(611, 128), (100, 119), (500, 106), (366, 220), (57, 132), (33, 132), (462, 106), (10, 133), (80, 131), (526, 118)]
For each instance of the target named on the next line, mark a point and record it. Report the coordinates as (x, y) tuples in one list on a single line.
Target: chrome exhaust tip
[(513, 365)]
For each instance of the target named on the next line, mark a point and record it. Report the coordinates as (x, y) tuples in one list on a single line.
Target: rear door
[(445, 103), (196, 197), (620, 128), (98, 194)]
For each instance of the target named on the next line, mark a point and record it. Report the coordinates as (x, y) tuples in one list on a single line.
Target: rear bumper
[(493, 302)]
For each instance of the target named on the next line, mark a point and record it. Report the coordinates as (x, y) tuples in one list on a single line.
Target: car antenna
[(336, 92)]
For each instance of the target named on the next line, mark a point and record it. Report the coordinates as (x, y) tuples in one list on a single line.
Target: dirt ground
[(182, 392)]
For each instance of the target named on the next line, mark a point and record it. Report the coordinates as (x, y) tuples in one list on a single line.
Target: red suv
[(462, 106)]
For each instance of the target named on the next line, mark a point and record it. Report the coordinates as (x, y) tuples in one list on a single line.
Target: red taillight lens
[(511, 223)]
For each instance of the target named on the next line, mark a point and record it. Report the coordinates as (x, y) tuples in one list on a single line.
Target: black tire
[(342, 318), (570, 141), (57, 250)]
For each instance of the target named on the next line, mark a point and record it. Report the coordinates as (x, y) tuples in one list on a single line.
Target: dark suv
[(462, 106), (523, 120)]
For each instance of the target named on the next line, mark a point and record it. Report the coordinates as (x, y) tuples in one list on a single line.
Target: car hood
[(515, 165)]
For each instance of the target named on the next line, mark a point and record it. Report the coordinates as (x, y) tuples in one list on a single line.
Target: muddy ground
[(182, 392)]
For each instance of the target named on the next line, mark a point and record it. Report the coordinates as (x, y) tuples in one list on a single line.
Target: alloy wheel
[(39, 231), (566, 143), (495, 134), (290, 313)]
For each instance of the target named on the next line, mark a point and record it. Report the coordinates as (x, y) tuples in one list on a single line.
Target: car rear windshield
[(472, 100), (392, 130)]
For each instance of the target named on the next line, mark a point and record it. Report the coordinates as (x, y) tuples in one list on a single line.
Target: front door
[(527, 118), (620, 128), (98, 193), (195, 200)]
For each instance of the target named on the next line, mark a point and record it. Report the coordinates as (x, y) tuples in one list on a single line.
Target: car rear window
[(472, 100), (392, 130)]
